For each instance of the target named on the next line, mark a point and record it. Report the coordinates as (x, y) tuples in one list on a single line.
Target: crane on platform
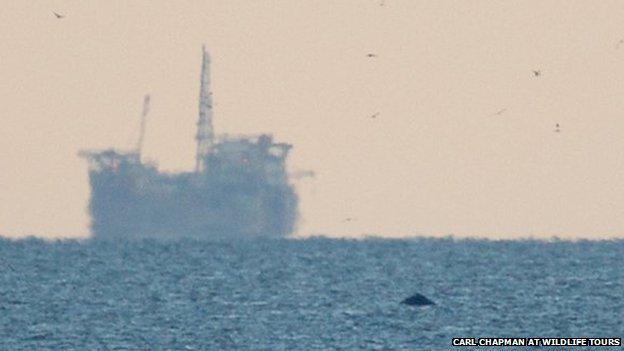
[(146, 106)]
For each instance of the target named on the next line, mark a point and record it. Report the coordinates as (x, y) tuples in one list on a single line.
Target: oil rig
[(239, 187)]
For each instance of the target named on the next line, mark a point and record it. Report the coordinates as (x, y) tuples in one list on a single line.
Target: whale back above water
[(417, 300)]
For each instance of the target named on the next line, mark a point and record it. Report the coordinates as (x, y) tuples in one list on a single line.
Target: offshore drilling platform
[(239, 188)]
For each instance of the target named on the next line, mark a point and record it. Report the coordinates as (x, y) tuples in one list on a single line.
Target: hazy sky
[(435, 161)]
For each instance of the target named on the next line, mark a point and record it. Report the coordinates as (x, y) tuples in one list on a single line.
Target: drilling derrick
[(205, 132)]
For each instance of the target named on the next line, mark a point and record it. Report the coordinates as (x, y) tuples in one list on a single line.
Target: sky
[(437, 159)]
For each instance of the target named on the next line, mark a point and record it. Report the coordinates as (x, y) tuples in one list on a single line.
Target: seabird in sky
[(537, 73), (499, 112), (59, 16), (371, 55)]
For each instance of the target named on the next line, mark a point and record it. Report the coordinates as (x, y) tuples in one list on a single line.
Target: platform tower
[(205, 132)]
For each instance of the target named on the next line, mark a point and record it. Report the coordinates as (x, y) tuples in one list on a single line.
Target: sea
[(306, 294)]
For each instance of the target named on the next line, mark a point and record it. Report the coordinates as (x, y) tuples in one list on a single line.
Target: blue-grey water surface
[(311, 294)]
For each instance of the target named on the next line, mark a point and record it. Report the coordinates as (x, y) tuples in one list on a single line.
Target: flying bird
[(371, 55), (348, 219), (619, 43), (499, 112), (537, 73), (374, 115), (8, 265), (59, 16), (557, 128)]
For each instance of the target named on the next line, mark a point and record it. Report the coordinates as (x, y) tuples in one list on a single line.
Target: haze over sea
[(304, 294)]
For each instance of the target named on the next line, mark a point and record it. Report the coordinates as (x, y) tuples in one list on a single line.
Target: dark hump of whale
[(417, 300)]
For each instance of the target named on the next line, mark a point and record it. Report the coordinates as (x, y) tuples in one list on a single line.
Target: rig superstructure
[(240, 186)]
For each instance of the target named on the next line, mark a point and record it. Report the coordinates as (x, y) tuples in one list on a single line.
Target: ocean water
[(311, 294)]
